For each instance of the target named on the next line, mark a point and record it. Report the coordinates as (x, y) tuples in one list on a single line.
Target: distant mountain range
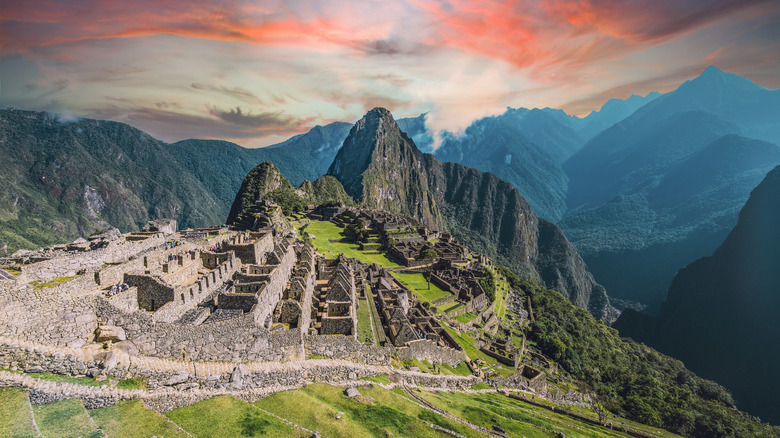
[(641, 187), (720, 317), (645, 185), (663, 187), (64, 179)]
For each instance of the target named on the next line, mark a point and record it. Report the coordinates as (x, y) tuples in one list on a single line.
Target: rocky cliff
[(381, 167), (721, 311)]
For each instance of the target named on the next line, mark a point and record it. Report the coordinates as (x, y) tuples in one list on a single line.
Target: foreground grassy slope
[(376, 413), (16, 419), (225, 416), (132, 419), (65, 419)]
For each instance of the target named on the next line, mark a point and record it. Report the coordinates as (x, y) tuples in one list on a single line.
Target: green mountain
[(379, 166), (720, 314), (499, 145), (62, 180), (266, 181), (382, 168), (663, 187)]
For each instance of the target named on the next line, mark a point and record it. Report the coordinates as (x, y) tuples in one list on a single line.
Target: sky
[(258, 72)]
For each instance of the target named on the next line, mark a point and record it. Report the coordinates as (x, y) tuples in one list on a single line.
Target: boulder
[(108, 234), (177, 379), (167, 226), (108, 360), (237, 376), (35, 369), (110, 333), (351, 392), (127, 347)]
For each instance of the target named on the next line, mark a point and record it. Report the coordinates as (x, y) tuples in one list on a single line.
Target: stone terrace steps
[(80, 353), (201, 369)]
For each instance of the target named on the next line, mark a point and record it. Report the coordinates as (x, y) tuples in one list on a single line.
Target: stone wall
[(43, 316), (434, 381), (113, 274), (425, 349), (347, 348), (69, 264), (272, 293), (127, 300), (235, 339)]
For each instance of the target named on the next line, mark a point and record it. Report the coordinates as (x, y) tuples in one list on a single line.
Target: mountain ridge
[(381, 166), (720, 310)]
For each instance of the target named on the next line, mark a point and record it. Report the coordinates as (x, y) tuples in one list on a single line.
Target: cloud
[(169, 123), (241, 69), (265, 121), (235, 92)]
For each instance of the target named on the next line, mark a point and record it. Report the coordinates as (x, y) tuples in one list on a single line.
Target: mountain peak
[(714, 77), (377, 149), (712, 70)]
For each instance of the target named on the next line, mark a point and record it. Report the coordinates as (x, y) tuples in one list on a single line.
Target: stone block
[(177, 379), (111, 333)]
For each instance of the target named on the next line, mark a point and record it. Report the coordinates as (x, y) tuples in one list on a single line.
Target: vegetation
[(365, 333), (289, 201), (424, 290), (386, 413), (14, 271), (87, 381), (522, 419), (632, 380), (66, 418), (488, 283), (16, 420), (329, 241), (131, 419), (225, 416), (38, 284)]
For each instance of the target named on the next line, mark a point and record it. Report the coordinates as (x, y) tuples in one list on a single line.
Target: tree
[(429, 254)]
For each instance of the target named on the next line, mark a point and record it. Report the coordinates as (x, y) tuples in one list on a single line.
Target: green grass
[(419, 285), (324, 232), (131, 419), (225, 416), (364, 322), (467, 342), (382, 378), (466, 317), (502, 291), (14, 271), (461, 370), (38, 284), (15, 420), (65, 419), (385, 413), (453, 308), (480, 385), (516, 417)]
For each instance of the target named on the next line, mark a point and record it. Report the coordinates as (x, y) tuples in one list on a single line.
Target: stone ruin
[(121, 303)]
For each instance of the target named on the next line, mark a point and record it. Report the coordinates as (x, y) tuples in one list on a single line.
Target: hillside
[(62, 180), (382, 168), (499, 145), (664, 186), (719, 316)]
